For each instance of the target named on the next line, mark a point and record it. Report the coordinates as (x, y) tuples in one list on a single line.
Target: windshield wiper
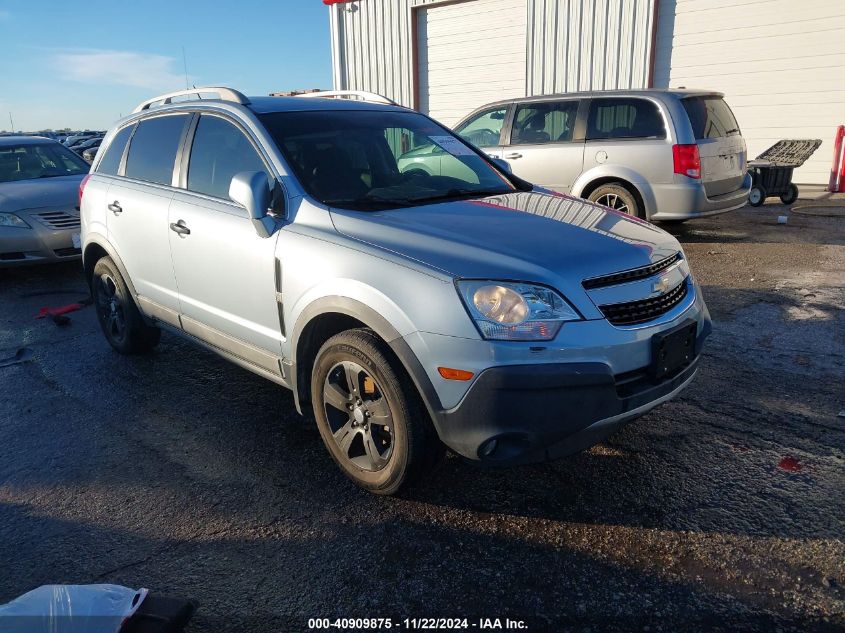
[(458, 193)]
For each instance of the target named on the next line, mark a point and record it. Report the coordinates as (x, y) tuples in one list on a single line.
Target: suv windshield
[(370, 160), (710, 117), (45, 160)]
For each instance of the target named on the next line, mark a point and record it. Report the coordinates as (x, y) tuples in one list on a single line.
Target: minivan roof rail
[(363, 95), (223, 94)]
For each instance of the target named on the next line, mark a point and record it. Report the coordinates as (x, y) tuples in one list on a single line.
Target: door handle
[(180, 228), (513, 155), (115, 208)]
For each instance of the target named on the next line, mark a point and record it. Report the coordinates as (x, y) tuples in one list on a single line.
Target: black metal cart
[(771, 171)]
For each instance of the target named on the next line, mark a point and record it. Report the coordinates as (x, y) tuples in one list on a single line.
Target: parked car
[(91, 142), (72, 140), (89, 154), (662, 155), (39, 189), (404, 310)]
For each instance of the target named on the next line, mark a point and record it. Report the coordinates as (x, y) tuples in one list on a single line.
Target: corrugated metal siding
[(572, 45), (373, 44), (588, 44), (777, 63)]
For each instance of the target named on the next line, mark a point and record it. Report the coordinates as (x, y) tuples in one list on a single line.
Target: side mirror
[(251, 190), (502, 164)]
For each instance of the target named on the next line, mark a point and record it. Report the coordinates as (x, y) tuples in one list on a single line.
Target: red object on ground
[(71, 307), (790, 464), (836, 180)]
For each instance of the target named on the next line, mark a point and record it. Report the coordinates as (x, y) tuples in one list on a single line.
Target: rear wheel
[(756, 196), (616, 197), (119, 318), (371, 420), (791, 194)]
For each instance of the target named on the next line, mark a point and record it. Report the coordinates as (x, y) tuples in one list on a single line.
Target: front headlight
[(508, 311), (10, 219)]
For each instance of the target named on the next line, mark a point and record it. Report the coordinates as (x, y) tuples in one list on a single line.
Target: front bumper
[(39, 244), (688, 201)]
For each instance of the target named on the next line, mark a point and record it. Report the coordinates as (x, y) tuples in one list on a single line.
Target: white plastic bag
[(71, 609)]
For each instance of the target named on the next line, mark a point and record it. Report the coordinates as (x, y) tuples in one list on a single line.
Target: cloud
[(125, 68)]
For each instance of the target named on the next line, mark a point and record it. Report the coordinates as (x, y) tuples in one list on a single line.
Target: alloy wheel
[(110, 308), (613, 201), (359, 416)]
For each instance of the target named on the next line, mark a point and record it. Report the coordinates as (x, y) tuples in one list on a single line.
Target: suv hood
[(40, 192), (526, 236)]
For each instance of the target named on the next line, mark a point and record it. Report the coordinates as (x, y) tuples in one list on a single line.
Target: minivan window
[(110, 162), (545, 122), (152, 150), (624, 118), (710, 117), (219, 151), (484, 129), (344, 159)]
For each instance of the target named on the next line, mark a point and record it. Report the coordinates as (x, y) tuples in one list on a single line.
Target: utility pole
[(12, 121)]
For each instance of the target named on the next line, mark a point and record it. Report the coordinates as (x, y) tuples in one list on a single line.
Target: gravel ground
[(722, 510)]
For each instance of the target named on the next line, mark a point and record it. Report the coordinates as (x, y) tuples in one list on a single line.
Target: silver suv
[(661, 155), (405, 311)]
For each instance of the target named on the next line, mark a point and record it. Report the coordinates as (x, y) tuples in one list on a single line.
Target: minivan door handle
[(513, 155), (180, 228), (115, 208)]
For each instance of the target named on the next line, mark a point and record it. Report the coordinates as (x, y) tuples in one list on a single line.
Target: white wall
[(779, 63)]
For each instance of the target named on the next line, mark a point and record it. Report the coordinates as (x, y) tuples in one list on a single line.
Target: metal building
[(776, 60)]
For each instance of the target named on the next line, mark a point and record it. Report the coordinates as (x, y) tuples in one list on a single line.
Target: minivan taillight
[(687, 161), (82, 184)]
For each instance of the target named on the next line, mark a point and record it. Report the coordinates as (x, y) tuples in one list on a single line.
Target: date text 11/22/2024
[(418, 624)]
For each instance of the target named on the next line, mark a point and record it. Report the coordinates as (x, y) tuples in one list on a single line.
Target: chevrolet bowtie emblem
[(661, 287)]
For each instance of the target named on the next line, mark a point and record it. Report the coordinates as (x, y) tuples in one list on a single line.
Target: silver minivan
[(662, 155)]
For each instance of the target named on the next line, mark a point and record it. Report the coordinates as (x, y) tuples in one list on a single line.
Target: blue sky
[(83, 64)]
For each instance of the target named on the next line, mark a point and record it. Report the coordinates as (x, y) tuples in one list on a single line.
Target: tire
[(756, 196), (376, 429), (121, 322), (616, 197), (790, 196)]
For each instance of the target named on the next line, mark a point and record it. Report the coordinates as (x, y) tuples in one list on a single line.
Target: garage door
[(470, 53), (777, 61)]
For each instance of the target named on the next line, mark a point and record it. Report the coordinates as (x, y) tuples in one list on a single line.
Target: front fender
[(618, 172)]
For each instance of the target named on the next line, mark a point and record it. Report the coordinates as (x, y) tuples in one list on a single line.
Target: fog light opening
[(488, 448)]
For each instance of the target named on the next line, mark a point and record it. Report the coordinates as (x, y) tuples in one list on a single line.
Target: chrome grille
[(634, 312), (630, 275), (59, 220)]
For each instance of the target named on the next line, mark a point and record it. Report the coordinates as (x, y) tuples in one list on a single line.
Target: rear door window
[(710, 117), (110, 162), (219, 151), (152, 152), (624, 118), (545, 122)]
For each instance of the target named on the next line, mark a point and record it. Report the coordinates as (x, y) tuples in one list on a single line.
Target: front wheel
[(371, 420), (756, 196), (120, 320), (616, 197)]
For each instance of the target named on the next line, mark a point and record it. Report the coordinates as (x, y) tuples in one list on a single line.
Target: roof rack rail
[(363, 95), (224, 94)]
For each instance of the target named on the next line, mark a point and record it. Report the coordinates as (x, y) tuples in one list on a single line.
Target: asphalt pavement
[(721, 510)]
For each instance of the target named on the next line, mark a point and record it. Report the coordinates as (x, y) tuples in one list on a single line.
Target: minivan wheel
[(370, 418), (617, 198), (119, 318)]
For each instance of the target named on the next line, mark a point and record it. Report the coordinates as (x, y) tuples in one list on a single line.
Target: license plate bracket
[(673, 349)]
